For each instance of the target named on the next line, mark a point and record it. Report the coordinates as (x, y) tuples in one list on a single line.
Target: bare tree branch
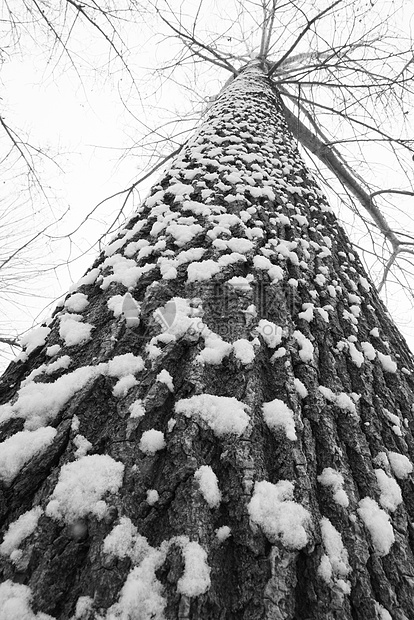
[(310, 23), (330, 159)]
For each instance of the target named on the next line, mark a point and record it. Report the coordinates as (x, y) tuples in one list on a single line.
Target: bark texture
[(233, 280)]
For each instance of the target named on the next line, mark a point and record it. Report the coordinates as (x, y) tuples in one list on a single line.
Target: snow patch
[(18, 449), (390, 496), (224, 415), (126, 364), (152, 441), (152, 497), (356, 356), (73, 331), (84, 606), (152, 351), (368, 350), (82, 446), (114, 304), (124, 270), (81, 486), (183, 233), (165, 377), (203, 270), (364, 284), (223, 533), (280, 352), (61, 363), (300, 388), (271, 333), (278, 415), (335, 481), (215, 350), (387, 363), (378, 524), (88, 278), (208, 484), (77, 302), (341, 400), (53, 350), (243, 351), (275, 272), (122, 387), (141, 592), (136, 409), (308, 312), (400, 464), (334, 567), (18, 531), (383, 614), (272, 508), (196, 578), (240, 283), (306, 348), (123, 541), (35, 338), (15, 599)]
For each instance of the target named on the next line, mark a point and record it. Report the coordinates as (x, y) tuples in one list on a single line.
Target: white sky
[(89, 126)]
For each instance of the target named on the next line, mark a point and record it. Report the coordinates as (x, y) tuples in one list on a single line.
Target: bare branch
[(310, 23), (190, 41), (330, 159), (128, 191), (392, 191), (12, 342)]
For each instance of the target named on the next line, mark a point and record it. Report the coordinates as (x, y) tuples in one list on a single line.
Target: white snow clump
[(208, 484), (18, 449), (224, 415), (272, 508), (152, 441), (81, 486), (377, 521), (278, 415)]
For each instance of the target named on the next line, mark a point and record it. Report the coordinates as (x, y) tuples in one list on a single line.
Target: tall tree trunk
[(218, 423)]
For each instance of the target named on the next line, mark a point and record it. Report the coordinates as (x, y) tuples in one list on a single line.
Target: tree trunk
[(218, 423)]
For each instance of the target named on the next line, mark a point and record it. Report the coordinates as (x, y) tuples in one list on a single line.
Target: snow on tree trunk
[(218, 422)]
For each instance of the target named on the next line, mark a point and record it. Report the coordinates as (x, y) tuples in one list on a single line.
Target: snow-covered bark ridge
[(218, 421)]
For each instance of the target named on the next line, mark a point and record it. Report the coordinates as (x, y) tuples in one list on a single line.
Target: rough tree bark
[(241, 326)]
